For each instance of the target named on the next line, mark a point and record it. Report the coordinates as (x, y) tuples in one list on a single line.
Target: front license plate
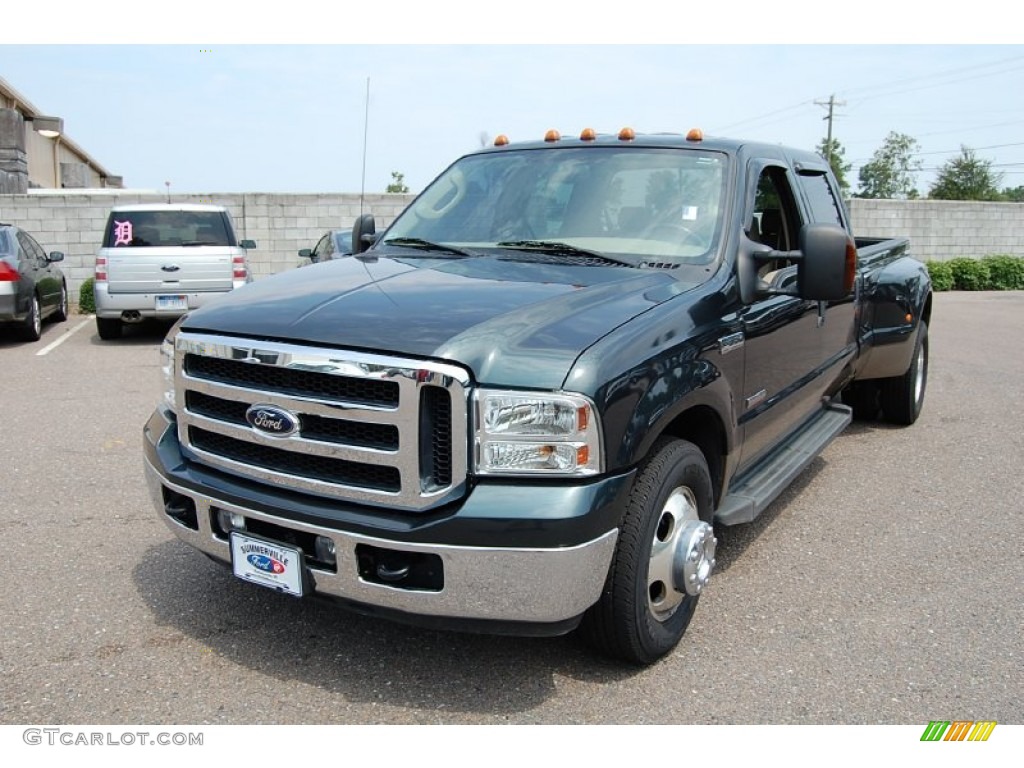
[(267, 563), (171, 302)]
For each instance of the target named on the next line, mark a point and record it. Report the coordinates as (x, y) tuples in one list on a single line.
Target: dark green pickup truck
[(527, 404)]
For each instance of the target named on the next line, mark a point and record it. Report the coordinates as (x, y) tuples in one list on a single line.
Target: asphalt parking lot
[(885, 586)]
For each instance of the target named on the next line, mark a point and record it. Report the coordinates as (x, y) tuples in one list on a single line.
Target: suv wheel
[(108, 328)]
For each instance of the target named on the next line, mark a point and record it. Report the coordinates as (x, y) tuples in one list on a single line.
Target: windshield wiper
[(554, 248), (426, 245)]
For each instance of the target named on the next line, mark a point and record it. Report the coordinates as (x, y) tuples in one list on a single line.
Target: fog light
[(229, 521), (325, 551)]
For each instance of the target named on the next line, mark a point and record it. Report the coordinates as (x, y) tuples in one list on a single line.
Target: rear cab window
[(155, 229)]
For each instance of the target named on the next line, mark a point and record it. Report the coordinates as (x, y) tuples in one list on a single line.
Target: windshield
[(166, 228), (647, 206)]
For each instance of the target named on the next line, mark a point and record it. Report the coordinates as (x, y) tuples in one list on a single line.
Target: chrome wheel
[(682, 554), (32, 328), (36, 318), (921, 369), (62, 308)]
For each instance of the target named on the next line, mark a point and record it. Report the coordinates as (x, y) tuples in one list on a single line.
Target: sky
[(308, 104)]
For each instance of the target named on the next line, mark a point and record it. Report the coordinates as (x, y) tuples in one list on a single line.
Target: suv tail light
[(241, 271), (101, 269), (8, 274)]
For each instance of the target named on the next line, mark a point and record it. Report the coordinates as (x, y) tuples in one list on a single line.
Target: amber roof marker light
[(695, 134), (627, 134), (588, 134), (552, 136), (501, 140)]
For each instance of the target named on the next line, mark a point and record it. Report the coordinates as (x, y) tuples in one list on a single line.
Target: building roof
[(10, 97)]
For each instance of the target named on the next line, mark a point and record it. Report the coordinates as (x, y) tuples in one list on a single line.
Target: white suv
[(163, 259)]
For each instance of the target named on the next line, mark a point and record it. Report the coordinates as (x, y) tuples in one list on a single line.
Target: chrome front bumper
[(517, 585)]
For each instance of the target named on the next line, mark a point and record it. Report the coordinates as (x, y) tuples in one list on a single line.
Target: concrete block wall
[(281, 224), (940, 230)]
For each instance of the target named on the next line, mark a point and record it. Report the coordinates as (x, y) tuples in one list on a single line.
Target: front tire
[(665, 543), (61, 313), (903, 396)]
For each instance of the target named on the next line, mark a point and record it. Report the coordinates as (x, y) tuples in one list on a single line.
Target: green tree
[(966, 177), (891, 172), (397, 185), (837, 160), (1013, 194)]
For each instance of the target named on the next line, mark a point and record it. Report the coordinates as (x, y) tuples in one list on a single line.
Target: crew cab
[(530, 403)]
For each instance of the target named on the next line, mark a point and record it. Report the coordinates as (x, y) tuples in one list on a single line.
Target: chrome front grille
[(370, 429)]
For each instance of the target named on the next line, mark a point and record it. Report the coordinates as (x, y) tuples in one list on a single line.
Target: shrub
[(969, 274), (1006, 273), (941, 274), (86, 299)]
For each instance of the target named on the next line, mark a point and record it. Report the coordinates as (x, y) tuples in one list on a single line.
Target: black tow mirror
[(825, 266), (828, 265), (247, 244), (364, 233), (55, 256)]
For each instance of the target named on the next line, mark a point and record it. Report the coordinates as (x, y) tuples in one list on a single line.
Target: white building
[(35, 153)]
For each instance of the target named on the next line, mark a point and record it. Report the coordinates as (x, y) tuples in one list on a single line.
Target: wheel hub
[(695, 557), (682, 554)]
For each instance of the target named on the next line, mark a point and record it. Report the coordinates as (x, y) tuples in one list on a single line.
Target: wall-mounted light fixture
[(50, 127)]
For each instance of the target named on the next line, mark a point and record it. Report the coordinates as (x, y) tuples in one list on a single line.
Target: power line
[(957, 70)]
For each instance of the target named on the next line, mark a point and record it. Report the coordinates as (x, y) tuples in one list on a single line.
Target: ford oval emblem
[(266, 563), (271, 420)]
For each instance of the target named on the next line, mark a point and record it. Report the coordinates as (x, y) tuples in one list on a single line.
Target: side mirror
[(828, 265), (305, 253), (55, 256), (364, 232), (247, 244)]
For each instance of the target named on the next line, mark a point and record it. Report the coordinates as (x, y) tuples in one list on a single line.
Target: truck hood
[(511, 322)]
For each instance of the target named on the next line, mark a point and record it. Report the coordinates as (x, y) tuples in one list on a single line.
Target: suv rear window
[(141, 229)]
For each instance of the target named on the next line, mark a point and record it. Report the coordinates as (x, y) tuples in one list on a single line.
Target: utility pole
[(831, 104)]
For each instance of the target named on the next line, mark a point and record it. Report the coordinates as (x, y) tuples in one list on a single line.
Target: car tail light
[(241, 272), (101, 269), (8, 274)]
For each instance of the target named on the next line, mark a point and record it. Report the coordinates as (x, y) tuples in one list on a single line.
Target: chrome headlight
[(535, 433)]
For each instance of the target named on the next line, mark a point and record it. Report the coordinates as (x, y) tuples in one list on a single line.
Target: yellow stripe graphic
[(982, 730)]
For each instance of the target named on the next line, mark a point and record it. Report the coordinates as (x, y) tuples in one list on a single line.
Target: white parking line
[(54, 344)]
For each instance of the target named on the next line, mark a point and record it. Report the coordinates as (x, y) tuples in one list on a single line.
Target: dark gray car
[(334, 245), (32, 287)]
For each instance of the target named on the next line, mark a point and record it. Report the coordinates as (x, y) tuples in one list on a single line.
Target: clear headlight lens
[(167, 365), (533, 433), (167, 369)]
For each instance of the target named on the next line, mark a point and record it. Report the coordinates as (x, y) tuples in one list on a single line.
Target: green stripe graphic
[(935, 730)]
